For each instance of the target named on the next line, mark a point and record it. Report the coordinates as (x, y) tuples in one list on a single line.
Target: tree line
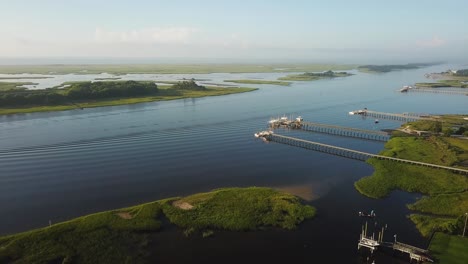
[(77, 91)]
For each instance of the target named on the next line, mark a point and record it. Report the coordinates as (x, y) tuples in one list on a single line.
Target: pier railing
[(462, 91), (391, 116), (345, 131), (352, 154)]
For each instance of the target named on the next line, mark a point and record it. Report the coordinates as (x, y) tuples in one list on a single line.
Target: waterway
[(59, 165)]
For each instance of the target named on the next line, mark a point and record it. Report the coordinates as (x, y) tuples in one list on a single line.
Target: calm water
[(56, 166)]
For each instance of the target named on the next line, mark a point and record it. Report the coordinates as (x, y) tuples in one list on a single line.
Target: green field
[(260, 82), (310, 76), (168, 68), (124, 235), (449, 249)]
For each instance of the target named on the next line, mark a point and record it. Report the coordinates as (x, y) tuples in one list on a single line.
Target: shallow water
[(60, 165)]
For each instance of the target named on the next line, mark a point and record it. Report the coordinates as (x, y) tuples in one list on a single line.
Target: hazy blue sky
[(349, 31)]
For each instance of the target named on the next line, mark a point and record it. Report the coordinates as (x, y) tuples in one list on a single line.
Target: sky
[(349, 31)]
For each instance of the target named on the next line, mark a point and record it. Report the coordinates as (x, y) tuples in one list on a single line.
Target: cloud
[(432, 43), (162, 35)]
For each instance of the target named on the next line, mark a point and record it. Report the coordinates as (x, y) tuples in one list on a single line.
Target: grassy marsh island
[(124, 235), (168, 68), (107, 93), (392, 67), (446, 193), (311, 76), (260, 82), (450, 78)]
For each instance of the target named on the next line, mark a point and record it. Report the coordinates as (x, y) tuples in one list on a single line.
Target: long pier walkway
[(462, 91), (345, 131), (349, 153), (390, 116)]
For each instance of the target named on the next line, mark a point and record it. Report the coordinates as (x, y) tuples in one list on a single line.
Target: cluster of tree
[(188, 85), (388, 68), (324, 74), (99, 90), (31, 97), (463, 72), (77, 91)]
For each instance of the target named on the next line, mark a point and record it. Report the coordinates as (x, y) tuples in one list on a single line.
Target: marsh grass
[(449, 249), (123, 235)]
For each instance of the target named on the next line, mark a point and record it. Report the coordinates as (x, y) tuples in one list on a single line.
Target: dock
[(461, 91), (349, 153), (390, 116), (298, 123), (373, 244), (346, 131)]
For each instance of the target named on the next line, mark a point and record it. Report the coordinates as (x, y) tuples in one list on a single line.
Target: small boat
[(364, 214), (376, 121)]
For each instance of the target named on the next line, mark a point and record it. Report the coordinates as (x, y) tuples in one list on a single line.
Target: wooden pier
[(439, 90), (349, 153), (345, 131), (390, 116)]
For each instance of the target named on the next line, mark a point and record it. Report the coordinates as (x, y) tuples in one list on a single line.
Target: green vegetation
[(110, 237), (123, 235), (449, 249), (428, 224), (77, 91), (462, 72), (451, 204), (389, 68), (389, 175), (87, 95), (107, 78), (444, 83), (188, 85), (447, 192), (167, 68), (7, 86), (239, 209), (259, 82), (310, 76)]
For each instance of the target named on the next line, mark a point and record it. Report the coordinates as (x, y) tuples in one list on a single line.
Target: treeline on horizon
[(82, 91), (463, 72), (391, 67), (324, 74)]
